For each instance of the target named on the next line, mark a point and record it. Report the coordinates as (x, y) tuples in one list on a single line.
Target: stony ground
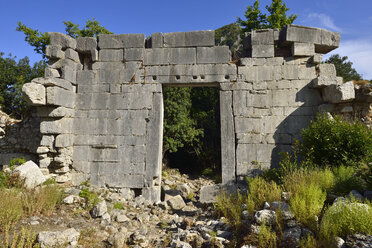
[(122, 221)]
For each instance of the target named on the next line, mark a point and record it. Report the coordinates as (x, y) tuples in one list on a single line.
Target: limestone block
[(262, 37), (54, 52), (53, 126), (72, 54), (45, 162), (125, 181), (94, 88), (94, 55), (111, 55), (214, 55), (264, 73), (69, 74), (245, 125), (50, 72), (296, 33), (280, 98), (326, 70), (317, 59), (182, 55), (62, 83), (330, 41), (339, 93), (290, 71), (86, 44), (306, 72), (156, 56), (323, 81), (63, 40), (156, 40), (303, 49), (62, 62), (262, 51), (47, 140), (189, 39), (86, 77), (55, 112), (108, 66), (34, 94), (112, 41), (60, 97), (134, 54), (64, 140)]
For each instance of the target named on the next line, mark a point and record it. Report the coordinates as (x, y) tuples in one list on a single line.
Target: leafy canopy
[(277, 17), (344, 68)]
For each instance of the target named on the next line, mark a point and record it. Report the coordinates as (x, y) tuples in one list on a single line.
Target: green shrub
[(91, 198), (11, 208), (344, 218), (365, 172), (26, 238), (118, 205), (260, 191), (307, 202), (346, 179), (308, 242), (16, 162), (336, 142), (231, 207), (266, 238)]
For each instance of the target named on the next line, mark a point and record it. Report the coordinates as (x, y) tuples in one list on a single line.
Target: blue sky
[(353, 19)]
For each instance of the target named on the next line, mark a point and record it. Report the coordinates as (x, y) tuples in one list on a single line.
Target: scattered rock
[(176, 203), (291, 237), (265, 216), (30, 173), (359, 240), (49, 239), (99, 210)]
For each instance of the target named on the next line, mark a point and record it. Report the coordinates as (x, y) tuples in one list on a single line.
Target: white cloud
[(324, 21), (359, 52)]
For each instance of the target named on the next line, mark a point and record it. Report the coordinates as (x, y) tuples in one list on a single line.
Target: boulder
[(34, 94), (99, 210), (291, 237), (265, 216), (48, 239), (176, 203), (31, 174)]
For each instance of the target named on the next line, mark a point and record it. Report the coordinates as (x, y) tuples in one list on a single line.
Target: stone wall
[(101, 105)]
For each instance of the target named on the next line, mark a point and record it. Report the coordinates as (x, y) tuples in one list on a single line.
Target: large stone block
[(182, 55), (156, 40), (60, 97), (303, 49), (62, 83), (54, 52), (86, 44), (326, 70), (134, 54), (262, 51), (111, 41), (323, 81), (213, 55), (34, 94), (111, 55), (189, 39), (72, 54), (64, 140), (156, 56), (262, 37), (296, 33), (108, 66), (55, 112), (69, 74), (53, 126), (339, 93), (86, 77), (330, 41), (63, 40)]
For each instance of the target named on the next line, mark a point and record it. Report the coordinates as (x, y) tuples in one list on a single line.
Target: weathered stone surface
[(62, 83), (156, 40), (134, 54), (54, 52), (324, 81), (339, 93), (63, 40), (111, 55), (262, 51), (112, 41), (60, 97), (31, 174), (48, 239), (176, 203), (213, 55), (34, 94), (303, 49), (265, 216), (99, 210), (86, 44), (189, 39)]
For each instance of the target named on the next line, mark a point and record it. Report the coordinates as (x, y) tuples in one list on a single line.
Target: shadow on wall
[(289, 130)]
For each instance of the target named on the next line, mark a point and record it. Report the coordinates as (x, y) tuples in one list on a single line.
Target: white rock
[(34, 94), (99, 210), (49, 239), (176, 203), (31, 174), (267, 216), (68, 200)]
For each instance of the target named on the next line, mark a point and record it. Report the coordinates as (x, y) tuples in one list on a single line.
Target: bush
[(344, 218), (16, 162), (260, 191), (346, 180), (336, 142), (91, 198), (11, 208), (266, 238), (231, 207)]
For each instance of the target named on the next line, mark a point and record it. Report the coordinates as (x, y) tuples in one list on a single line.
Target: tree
[(344, 68), (13, 75), (255, 19), (92, 28)]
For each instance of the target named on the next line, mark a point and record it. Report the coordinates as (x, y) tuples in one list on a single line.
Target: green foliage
[(255, 19), (91, 198), (92, 29), (344, 68), (38, 40), (16, 162), (11, 208), (13, 74), (307, 203), (231, 207), (346, 179), (261, 191), (344, 218), (227, 35), (336, 142), (118, 205), (42, 200), (267, 238), (308, 242), (365, 172), (50, 181)]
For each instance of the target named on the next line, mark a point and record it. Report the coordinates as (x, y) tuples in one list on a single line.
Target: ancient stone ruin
[(101, 104)]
